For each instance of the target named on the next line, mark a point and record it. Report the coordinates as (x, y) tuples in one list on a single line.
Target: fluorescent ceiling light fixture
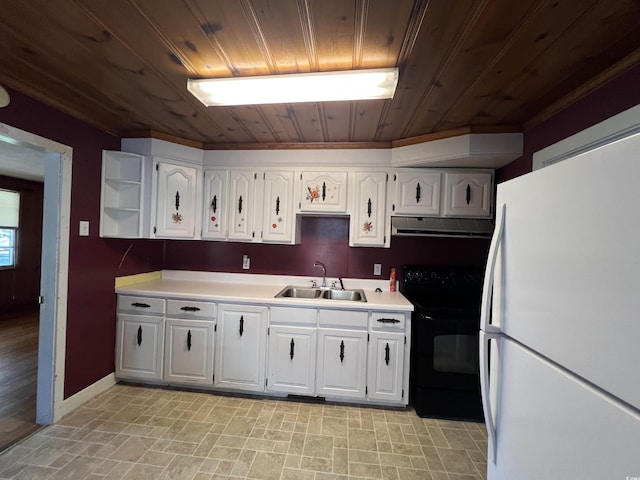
[(343, 85)]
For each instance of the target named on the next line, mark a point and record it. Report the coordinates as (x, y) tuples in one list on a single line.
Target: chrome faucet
[(324, 272)]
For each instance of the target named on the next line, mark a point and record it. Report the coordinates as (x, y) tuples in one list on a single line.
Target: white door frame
[(54, 269)]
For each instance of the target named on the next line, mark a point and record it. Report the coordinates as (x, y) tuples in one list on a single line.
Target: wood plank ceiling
[(122, 65)]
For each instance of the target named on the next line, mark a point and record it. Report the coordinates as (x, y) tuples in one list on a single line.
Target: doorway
[(30, 153)]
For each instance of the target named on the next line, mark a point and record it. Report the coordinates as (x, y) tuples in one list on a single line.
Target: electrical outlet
[(377, 268), (246, 262)]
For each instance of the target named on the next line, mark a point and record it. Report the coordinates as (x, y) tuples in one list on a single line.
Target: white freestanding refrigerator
[(560, 327)]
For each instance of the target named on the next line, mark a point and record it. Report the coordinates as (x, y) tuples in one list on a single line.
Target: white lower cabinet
[(385, 366), (189, 349), (241, 347), (189, 342), (139, 338), (292, 360), (342, 363), (353, 355), (140, 341)]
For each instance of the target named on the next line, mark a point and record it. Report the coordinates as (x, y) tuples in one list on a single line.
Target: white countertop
[(249, 288)]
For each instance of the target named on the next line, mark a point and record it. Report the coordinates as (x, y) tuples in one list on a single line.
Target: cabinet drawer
[(289, 316), (142, 305), (343, 318), (387, 321), (191, 309)]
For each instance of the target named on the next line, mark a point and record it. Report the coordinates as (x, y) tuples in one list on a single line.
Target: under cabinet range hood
[(442, 227)]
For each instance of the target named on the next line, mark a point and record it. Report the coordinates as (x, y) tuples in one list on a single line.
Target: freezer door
[(567, 274), (551, 425)]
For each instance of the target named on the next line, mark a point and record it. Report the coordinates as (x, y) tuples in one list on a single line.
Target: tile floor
[(131, 432)]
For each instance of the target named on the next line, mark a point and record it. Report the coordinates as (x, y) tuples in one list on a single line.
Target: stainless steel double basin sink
[(351, 295)]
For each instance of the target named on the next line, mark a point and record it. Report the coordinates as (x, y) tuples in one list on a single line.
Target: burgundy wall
[(93, 262), (325, 239), (616, 96), (20, 286)]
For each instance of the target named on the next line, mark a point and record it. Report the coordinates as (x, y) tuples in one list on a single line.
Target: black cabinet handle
[(341, 351), (277, 205), (139, 335), (468, 194), (241, 324), (369, 208), (292, 345), (324, 191), (189, 341), (388, 320), (177, 201), (240, 204), (418, 193), (214, 203), (190, 309), (386, 354), (140, 305)]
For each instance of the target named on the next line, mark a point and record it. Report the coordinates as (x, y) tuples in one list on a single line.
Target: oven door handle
[(487, 288)]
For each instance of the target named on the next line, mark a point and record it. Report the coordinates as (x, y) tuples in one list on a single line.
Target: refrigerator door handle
[(487, 289), (485, 338)]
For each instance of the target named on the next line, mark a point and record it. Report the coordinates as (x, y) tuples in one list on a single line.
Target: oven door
[(445, 374), (446, 352)]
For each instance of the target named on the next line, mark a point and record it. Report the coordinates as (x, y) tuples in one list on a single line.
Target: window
[(9, 222)]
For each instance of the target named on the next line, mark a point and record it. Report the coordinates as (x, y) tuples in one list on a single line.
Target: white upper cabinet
[(368, 219), (121, 195), (468, 194), (241, 205), (417, 192), (176, 206), (216, 202), (324, 192), (278, 217)]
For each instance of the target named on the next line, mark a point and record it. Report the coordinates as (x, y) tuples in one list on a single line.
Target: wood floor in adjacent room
[(18, 377)]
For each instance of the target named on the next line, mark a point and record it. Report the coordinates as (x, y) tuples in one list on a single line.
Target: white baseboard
[(74, 401)]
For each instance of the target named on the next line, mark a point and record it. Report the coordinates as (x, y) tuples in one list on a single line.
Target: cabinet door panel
[(292, 360), (215, 208), (176, 201), (342, 363), (241, 208), (468, 194), (278, 218), (241, 347), (418, 193), (139, 347), (189, 351), (324, 192), (368, 215), (386, 366)]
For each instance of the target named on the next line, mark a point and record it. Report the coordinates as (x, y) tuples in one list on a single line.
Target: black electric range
[(445, 374)]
